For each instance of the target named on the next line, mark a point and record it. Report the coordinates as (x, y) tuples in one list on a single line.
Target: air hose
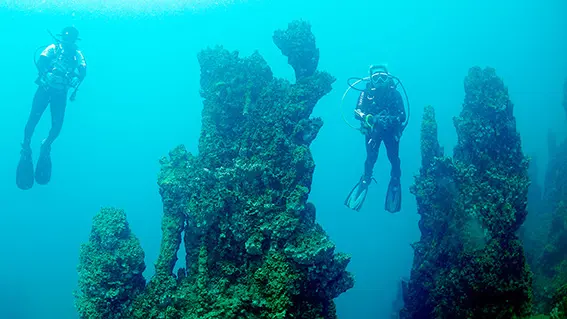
[(358, 80)]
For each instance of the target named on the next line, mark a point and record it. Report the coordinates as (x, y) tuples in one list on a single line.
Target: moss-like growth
[(559, 310), (253, 247), (469, 262), (110, 268), (430, 148), (298, 44)]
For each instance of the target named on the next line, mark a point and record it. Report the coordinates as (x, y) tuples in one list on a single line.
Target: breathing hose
[(358, 80)]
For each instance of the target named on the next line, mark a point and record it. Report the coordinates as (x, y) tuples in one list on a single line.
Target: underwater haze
[(141, 98)]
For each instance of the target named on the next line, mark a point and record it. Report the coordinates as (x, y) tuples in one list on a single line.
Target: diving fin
[(43, 168), (394, 196), (24, 172), (357, 195)]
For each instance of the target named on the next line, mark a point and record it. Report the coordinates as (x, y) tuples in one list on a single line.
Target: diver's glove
[(366, 121), (365, 130), (358, 114), (75, 81)]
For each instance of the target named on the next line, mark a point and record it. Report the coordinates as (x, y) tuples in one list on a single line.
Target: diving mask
[(379, 75), (379, 78)]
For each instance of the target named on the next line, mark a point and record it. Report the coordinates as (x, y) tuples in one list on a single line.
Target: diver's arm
[(43, 64), (399, 109), (361, 106), (81, 66), (45, 58), (360, 113)]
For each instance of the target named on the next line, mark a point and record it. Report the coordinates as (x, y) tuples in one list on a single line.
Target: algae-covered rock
[(253, 247), (469, 262), (240, 207), (298, 44), (430, 148), (559, 310), (110, 268)]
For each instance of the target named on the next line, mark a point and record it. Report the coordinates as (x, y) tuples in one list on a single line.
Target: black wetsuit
[(42, 98), (50, 62), (387, 107)]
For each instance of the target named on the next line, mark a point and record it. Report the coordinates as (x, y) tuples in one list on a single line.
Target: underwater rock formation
[(545, 234), (110, 268), (298, 44), (253, 246), (469, 262), (534, 231), (551, 275), (551, 271), (398, 303), (534, 234)]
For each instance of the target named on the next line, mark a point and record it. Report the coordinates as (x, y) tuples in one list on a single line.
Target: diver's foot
[(357, 195), (395, 183), (45, 149), (393, 202), (26, 150), (43, 167), (366, 180), (24, 172)]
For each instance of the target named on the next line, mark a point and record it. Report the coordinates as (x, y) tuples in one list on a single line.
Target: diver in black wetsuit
[(380, 110), (61, 66)]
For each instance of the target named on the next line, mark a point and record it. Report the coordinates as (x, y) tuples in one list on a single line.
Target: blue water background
[(141, 99)]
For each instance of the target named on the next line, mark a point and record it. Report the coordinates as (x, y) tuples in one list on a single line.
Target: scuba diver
[(380, 110), (61, 66)]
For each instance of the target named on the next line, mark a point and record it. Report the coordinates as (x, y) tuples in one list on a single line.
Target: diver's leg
[(58, 106), (39, 104), (43, 168), (393, 200), (372, 149), (393, 150)]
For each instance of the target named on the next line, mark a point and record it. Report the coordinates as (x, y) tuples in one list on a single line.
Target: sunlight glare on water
[(117, 6)]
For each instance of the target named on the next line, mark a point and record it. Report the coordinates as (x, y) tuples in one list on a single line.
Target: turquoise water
[(141, 98)]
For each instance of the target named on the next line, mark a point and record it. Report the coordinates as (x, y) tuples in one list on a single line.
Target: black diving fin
[(357, 195), (43, 168), (393, 202), (24, 172)]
